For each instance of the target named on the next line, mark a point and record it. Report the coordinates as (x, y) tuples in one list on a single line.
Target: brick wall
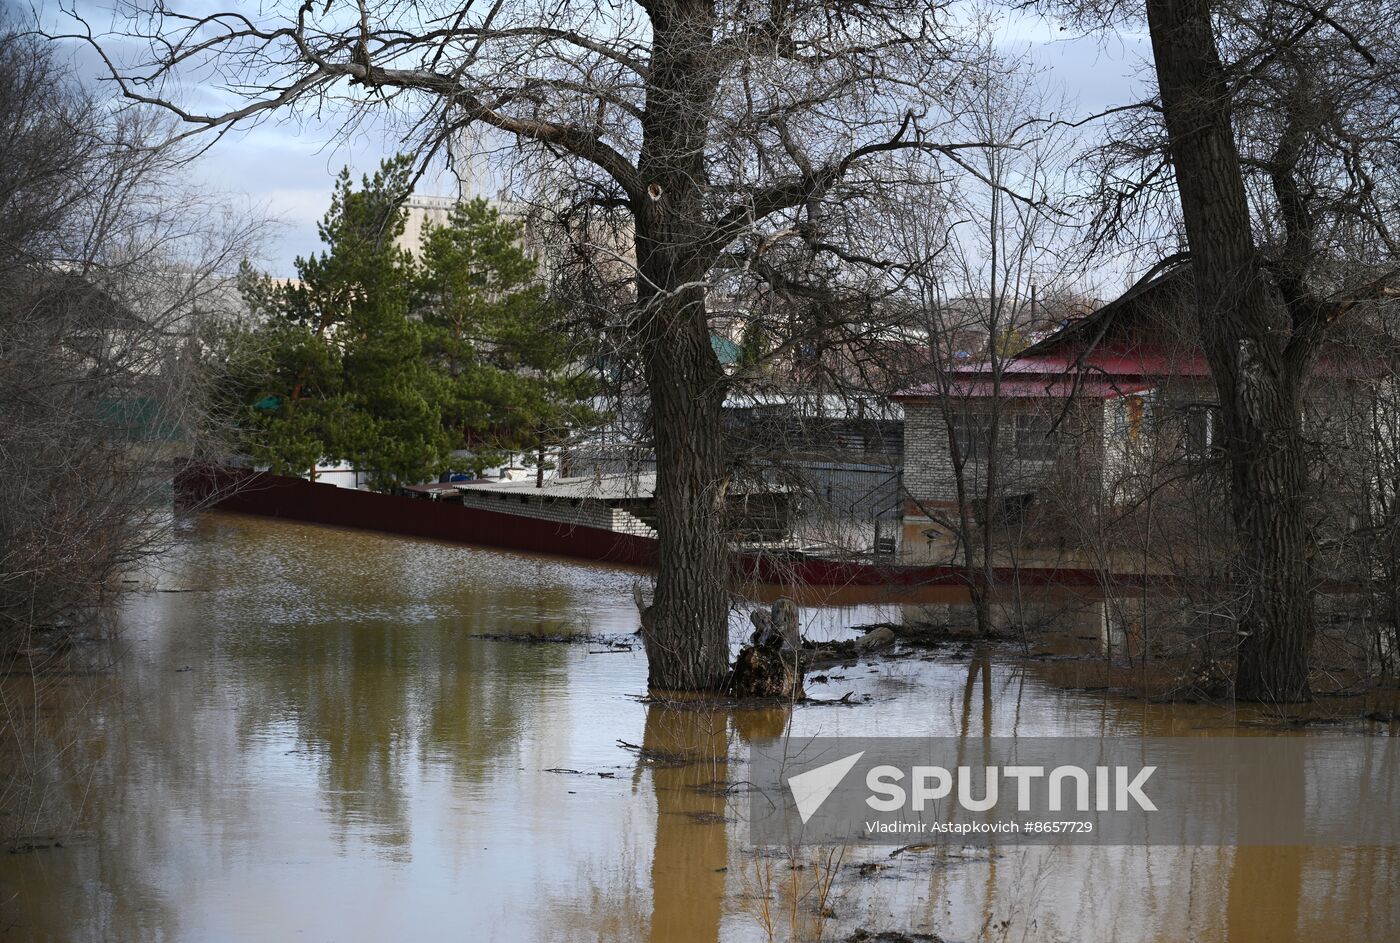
[(1135, 459), (928, 465)]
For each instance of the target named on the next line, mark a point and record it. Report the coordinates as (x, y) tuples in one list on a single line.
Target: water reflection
[(688, 751), (365, 746)]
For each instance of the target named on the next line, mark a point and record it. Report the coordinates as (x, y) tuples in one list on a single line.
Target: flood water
[(312, 740)]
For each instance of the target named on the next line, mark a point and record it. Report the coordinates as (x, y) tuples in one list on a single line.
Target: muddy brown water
[(310, 743)]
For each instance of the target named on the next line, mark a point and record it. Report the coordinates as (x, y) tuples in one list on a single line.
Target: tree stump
[(770, 666)]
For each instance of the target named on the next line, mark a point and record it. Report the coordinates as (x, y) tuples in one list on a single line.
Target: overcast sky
[(286, 167)]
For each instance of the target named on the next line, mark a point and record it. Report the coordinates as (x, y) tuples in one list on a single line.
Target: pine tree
[(497, 339), (336, 369), (370, 358)]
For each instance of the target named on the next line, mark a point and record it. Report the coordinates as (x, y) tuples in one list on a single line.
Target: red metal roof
[(1117, 350), (1060, 388), (1022, 388), (1103, 374)]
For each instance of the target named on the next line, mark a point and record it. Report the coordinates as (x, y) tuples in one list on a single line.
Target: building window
[(1118, 419), (1035, 438), (1129, 415), (1137, 413), (1202, 431), (971, 433)]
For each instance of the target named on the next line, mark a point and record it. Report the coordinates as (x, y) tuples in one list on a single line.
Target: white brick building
[(1093, 417), (1069, 417)]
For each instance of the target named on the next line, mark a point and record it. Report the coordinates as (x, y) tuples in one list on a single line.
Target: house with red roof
[(1092, 419)]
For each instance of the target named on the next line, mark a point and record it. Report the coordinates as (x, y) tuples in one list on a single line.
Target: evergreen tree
[(753, 345), (335, 370), (370, 358), (497, 339)]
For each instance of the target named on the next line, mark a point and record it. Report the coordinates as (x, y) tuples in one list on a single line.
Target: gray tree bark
[(1256, 356), (687, 642)]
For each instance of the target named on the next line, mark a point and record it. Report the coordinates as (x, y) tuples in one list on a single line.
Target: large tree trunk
[(1257, 363), (687, 633)]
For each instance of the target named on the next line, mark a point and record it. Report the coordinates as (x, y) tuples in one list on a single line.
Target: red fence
[(296, 499), (300, 500)]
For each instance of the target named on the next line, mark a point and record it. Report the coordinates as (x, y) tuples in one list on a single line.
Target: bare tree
[(990, 268), (112, 278), (717, 127), (1276, 139)]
